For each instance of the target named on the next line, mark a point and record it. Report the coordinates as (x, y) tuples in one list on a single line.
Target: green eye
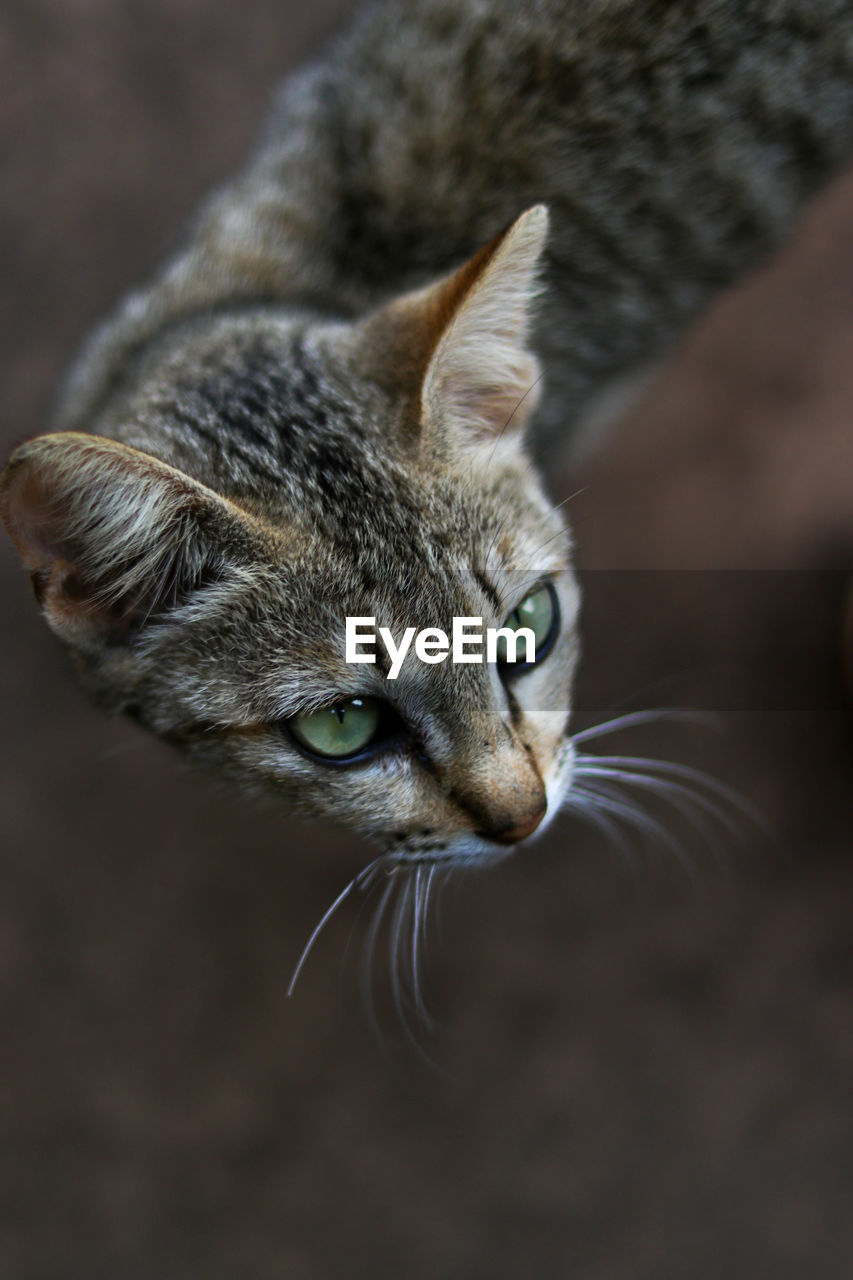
[(540, 612), (340, 731)]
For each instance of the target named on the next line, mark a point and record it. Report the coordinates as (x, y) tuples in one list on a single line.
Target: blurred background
[(643, 1067)]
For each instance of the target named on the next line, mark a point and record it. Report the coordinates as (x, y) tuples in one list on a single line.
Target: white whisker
[(691, 804), (439, 900), (576, 803), (395, 950), (681, 771), (361, 880), (416, 929), (369, 952), (634, 718), (621, 807), (427, 892)]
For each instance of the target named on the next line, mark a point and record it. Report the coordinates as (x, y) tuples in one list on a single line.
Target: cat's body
[(280, 433)]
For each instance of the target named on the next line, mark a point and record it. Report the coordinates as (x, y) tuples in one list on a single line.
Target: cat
[(459, 232)]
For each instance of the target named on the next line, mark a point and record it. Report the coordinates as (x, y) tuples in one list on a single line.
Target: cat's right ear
[(456, 354), (109, 535)]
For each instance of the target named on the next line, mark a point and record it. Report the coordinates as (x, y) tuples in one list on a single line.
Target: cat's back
[(453, 114), (673, 142)]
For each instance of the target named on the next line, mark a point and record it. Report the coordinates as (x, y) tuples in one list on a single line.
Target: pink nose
[(522, 829)]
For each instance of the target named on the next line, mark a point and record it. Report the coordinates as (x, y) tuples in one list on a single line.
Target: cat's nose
[(500, 791), (522, 829)]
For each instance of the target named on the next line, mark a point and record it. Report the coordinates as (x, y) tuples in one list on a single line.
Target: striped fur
[(323, 403)]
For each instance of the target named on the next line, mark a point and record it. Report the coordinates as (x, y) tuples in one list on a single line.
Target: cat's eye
[(540, 612), (341, 732)]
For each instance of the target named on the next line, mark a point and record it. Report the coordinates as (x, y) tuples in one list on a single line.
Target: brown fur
[(320, 405)]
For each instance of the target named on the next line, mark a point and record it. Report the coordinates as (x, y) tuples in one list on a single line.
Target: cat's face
[(206, 593), (445, 761)]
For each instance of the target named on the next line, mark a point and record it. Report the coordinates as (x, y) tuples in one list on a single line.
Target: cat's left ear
[(111, 536), (458, 350)]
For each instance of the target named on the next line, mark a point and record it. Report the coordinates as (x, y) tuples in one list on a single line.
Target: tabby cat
[(459, 230)]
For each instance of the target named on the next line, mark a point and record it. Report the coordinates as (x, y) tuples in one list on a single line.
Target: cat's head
[(266, 477)]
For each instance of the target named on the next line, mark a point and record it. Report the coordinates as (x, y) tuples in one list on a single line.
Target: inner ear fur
[(110, 536), (457, 351)]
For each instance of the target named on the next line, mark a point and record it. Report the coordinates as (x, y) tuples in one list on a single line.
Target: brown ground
[(640, 1077)]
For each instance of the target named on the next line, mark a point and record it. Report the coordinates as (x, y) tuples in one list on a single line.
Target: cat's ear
[(482, 377), (109, 535), (461, 344)]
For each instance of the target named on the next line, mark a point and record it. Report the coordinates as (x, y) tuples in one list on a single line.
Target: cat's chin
[(462, 853)]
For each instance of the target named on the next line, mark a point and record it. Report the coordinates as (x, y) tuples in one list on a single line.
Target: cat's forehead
[(265, 415), (410, 571), (252, 410), (405, 536)]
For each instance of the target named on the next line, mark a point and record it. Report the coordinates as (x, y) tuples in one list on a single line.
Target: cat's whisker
[(361, 880), (439, 898), (395, 957), (410, 1001), (370, 887), (590, 813), (635, 718), (430, 880), (563, 531), (486, 557), (577, 493), (410, 891), (369, 953), (422, 898), (686, 800), (692, 807), (599, 795), (681, 771), (600, 782), (519, 402), (416, 928), (531, 555)]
